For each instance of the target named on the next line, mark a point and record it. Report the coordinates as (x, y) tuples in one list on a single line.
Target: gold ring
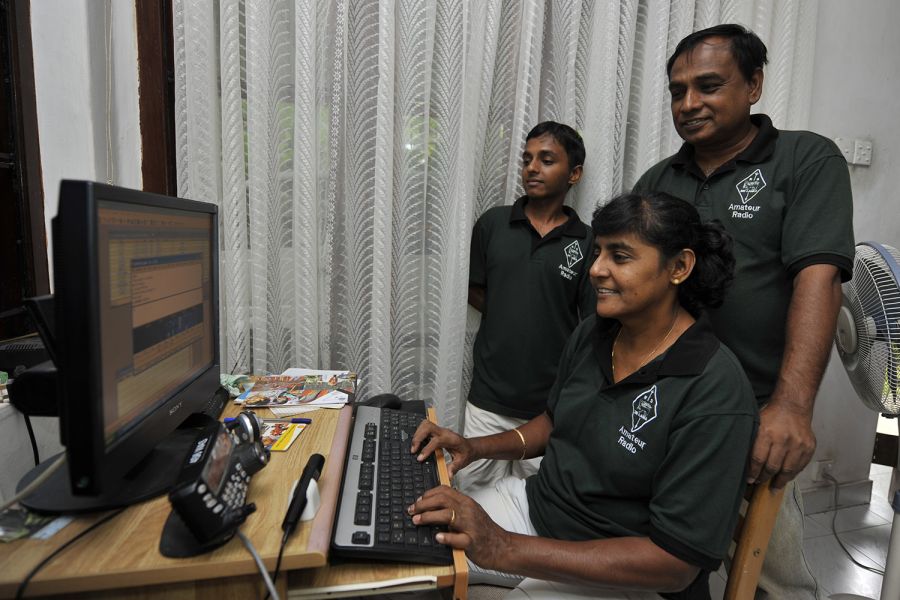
[(452, 517)]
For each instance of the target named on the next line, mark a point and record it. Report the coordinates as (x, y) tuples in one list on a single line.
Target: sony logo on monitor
[(175, 409)]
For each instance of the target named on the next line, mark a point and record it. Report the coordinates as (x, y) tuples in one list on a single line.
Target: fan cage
[(873, 296)]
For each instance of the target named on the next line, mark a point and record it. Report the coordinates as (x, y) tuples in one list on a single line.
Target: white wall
[(71, 72), (856, 94)]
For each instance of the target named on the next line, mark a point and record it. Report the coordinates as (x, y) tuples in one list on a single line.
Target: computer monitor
[(136, 311)]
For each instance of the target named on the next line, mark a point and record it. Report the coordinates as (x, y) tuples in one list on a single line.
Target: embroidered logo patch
[(747, 188), (573, 254), (750, 185), (643, 409)]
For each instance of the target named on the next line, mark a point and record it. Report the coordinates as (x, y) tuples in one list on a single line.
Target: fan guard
[(868, 331)]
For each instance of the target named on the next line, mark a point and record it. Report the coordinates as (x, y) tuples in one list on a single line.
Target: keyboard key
[(360, 537)]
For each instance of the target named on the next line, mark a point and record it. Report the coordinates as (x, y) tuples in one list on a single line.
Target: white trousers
[(507, 504), (486, 472)]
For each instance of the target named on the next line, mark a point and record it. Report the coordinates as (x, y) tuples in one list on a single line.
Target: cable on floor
[(834, 484)]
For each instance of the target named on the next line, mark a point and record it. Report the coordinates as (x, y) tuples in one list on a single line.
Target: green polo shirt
[(661, 454), (535, 291), (786, 201)]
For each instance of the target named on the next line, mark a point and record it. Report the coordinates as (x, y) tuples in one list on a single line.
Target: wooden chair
[(751, 537)]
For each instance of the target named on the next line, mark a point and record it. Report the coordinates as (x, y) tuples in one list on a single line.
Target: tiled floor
[(864, 530)]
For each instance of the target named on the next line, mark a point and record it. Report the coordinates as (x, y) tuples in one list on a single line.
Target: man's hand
[(785, 442), (470, 528), (429, 437), (784, 445)]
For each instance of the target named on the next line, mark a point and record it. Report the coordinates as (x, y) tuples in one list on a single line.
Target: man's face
[(545, 168), (711, 99)]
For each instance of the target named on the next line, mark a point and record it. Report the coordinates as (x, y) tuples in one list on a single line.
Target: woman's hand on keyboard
[(429, 437), (469, 526)]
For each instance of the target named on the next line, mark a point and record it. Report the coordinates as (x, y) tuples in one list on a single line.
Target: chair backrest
[(751, 538)]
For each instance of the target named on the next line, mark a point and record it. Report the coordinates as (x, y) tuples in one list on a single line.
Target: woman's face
[(629, 276)]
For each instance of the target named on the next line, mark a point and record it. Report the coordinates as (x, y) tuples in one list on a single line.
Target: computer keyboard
[(381, 479)]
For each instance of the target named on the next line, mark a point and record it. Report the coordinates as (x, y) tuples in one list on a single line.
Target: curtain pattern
[(351, 144)]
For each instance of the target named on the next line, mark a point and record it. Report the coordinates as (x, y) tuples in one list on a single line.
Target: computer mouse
[(383, 401)]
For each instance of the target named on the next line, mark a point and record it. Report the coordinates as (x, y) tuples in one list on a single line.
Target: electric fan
[(868, 342)]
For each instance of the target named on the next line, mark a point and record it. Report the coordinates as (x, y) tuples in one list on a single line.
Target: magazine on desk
[(299, 388)]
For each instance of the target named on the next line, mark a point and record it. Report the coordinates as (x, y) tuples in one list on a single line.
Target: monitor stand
[(153, 476)]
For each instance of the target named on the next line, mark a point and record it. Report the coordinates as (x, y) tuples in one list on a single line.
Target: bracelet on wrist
[(524, 445)]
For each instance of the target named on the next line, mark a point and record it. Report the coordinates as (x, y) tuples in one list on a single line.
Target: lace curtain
[(351, 144)]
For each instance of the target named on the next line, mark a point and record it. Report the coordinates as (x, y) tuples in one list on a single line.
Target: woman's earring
[(676, 281)]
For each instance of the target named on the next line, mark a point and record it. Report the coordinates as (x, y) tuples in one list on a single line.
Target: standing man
[(528, 275), (785, 198)]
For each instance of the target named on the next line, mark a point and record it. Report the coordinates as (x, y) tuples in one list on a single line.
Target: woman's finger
[(454, 539)]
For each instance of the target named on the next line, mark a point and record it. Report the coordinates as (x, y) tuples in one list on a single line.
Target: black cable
[(284, 540), (20, 593), (309, 476), (834, 484), (34, 448)]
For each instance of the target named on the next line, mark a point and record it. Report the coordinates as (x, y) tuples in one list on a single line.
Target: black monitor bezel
[(93, 467)]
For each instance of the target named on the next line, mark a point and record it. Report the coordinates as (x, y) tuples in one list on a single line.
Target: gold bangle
[(524, 446)]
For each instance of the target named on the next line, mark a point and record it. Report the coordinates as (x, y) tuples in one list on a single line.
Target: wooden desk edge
[(460, 566), (455, 575), (320, 535)]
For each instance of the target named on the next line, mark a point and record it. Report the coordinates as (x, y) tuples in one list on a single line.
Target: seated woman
[(645, 439)]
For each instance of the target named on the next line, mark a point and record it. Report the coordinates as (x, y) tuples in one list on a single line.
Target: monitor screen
[(136, 302), (155, 307)]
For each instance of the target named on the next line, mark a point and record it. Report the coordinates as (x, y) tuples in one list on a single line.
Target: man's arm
[(785, 442), (476, 297)]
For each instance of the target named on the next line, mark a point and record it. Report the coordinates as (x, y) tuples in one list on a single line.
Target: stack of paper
[(299, 390)]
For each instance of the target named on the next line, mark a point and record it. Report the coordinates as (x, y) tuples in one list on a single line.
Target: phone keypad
[(235, 491)]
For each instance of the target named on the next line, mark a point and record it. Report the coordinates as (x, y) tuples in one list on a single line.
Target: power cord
[(834, 484), (270, 585), (20, 592), (31, 436), (34, 449), (284, 539), (310, 475)]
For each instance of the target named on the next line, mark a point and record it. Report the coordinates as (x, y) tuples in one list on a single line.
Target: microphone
[(311, 472)]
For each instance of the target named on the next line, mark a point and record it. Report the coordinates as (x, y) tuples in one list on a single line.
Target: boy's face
[(545, 169)]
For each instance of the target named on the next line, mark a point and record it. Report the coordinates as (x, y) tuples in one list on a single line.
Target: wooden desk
[(121, 558)]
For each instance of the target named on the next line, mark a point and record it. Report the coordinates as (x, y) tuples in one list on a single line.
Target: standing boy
[(528, 275)]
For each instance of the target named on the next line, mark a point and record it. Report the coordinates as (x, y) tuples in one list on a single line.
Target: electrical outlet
[(845, 145), (862, 152), (823, 468)]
